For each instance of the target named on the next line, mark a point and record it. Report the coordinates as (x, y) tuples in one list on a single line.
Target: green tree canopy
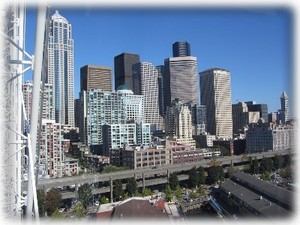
[(41, 197), (278, 162), (131, 186), (178, 193), (168, 193), (85, 195), (118, 191), (193, 180), (147, 192), (79, 211), (173, 181), (202, 176), (57, 214), (254, 166), (53, 201), (266, 165), (287, 160), (104, 200), (215, 173)]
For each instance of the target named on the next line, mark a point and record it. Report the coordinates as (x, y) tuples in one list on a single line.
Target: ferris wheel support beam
[(38, 66)]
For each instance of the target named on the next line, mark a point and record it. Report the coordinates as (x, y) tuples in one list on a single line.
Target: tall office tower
[(161, 97), (178, 121), (285, 115), (145, 82), (216, 96), (48, 108), (241, 117), (95, 77), (182, 79), (273, 117), (198, 119), (123, 69), (261, 108), (181, 48), (61, 68), (51, 151)]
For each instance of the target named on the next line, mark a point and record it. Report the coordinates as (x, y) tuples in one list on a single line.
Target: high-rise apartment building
[(51, 151), (145, 82), (285, 114), (181, 48), (108, 108), (180, 78), (123, 69), (95, 77), (48, 107), (61, 68), (216, 96), (116, 136)]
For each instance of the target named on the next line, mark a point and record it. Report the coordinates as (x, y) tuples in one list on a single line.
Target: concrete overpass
[(142, 175)]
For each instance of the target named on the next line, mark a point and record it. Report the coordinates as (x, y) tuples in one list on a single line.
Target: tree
[(193, 177), (41, 197), (173, 181), (85, 195), (254, 166), (104, 200), (192, 195), (79, 211), (266, 165), (215, 173), (178, 193), (278, 162), (147, 192), (287, 160), (53, 201), (118, 190), (202, 177), (131, 187), (266, 175), (57, 214), (168, 193)]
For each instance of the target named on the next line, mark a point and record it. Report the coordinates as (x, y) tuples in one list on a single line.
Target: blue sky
[(254, 44)]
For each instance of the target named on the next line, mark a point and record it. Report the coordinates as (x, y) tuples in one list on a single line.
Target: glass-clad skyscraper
[(61, 68)]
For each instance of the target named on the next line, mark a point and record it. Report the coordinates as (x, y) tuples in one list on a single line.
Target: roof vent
[(260, 197)]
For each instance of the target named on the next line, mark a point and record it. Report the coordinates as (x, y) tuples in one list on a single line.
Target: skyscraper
[(123, 69), (216, 95), (95, 77), (181, 48), (242, 117), (285, 115), (61, 68), (145, 82), (180, 76), (261, 108), (178, 121)]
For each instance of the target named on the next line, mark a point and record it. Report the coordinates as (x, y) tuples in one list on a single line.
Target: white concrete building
[(145, 82), (61, 68), (215, 90), (178, 120)]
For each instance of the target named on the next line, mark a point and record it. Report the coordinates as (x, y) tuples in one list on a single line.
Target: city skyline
[(253, 44)]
